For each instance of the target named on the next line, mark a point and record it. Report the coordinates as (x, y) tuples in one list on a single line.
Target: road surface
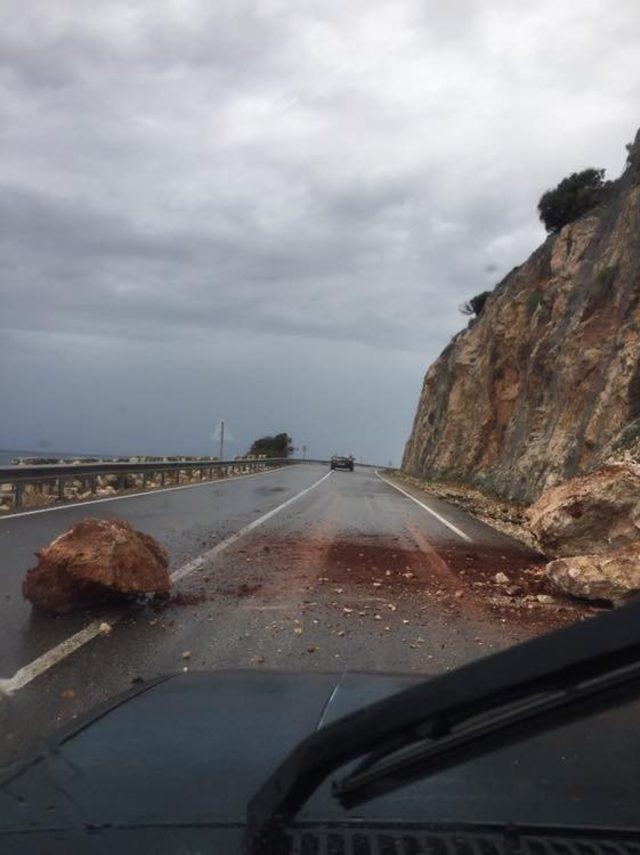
[(297, 568)]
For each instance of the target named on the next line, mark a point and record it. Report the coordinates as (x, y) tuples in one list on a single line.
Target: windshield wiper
[(378, 775), (487, 704)]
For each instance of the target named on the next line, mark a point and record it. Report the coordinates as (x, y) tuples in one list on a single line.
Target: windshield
[(320, 358)]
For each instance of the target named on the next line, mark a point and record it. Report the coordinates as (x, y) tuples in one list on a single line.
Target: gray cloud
[(336, 178)]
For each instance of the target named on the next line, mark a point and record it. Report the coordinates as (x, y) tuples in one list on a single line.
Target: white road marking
[(64, 507), (201, 560), (429, 510), (52, 657)]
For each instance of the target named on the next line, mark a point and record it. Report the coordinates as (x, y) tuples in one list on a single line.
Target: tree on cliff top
[(475, 305), (272, 446), (572, 198)]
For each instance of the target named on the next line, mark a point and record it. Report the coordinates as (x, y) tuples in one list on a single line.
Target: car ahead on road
[(531, 750), (342, 463)]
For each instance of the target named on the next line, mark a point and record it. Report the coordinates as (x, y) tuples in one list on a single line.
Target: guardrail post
[(92, 484), (17, 498), (61, 488), (162, 474)]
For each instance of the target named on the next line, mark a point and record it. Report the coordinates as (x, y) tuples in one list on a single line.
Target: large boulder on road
[(594, 513), (96, 560), (614, 577)]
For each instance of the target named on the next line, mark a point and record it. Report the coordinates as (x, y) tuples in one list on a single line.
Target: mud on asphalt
[(374, 570)]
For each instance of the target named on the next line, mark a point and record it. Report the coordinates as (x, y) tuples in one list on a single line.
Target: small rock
[(458, 594), (186, 654), (68, 694), (312, 649), (105, 628), (545, 599), (501, 578)]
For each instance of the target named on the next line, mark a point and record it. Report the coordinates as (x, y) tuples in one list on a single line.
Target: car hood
[(193, 748)]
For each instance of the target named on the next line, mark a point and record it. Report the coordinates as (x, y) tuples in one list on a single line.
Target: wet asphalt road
[(352, 575)]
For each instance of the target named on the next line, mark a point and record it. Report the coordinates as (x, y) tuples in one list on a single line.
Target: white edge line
[(52, 657), (429, 510), (217, 483)]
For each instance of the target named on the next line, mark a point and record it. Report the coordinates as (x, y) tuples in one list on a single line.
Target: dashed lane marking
[(201, 560)]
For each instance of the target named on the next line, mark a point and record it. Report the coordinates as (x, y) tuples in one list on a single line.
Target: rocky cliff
[(545, 384)]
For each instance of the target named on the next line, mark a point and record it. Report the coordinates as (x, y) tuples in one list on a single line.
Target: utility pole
[(219, 434), (304, 452)]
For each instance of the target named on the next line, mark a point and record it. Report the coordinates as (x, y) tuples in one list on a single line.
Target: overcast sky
[(270, 211)]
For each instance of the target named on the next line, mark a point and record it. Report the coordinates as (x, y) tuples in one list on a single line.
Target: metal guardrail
[(59, 474)]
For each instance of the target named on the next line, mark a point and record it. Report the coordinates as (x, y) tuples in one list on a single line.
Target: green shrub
[(475, 305), (606, 276), (572, 198), (533, 301)]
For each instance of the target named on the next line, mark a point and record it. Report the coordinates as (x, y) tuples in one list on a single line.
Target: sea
[(7, 454)]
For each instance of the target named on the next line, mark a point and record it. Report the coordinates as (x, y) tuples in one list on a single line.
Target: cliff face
[(546, 383)]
